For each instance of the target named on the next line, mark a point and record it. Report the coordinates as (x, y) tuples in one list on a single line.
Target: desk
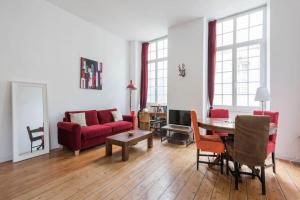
[(184, 131), (226, 125)]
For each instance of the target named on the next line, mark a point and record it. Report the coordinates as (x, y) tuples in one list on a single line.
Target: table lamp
[(262, 95)]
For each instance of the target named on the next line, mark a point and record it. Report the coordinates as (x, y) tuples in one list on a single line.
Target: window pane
[(253, 87), (160, 54), (227, 39), (165, 43), (242, 76), (254, 50), (256, 32), (218, 100), (165, 53), (152, 55), (227, 88), (242, 100), (160, 44), (254, 75), (242, 36), (219, 41), (242, 88), (256, 18), (254, 63), (218, 88), (227, 26), (227, 66), (219, 56), (242, 52), (242, 64), (227, 100), (160, 65), (242, 22), (227, 77), (219, 28), (218, 78), (227, 54), (218, 66)]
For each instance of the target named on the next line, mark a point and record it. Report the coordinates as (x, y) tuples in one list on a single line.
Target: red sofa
[(100, 124)]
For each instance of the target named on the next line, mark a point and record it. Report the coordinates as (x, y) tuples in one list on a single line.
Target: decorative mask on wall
[(181, 70)]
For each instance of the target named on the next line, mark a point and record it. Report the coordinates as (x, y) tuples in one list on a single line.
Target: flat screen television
[(180, 117)]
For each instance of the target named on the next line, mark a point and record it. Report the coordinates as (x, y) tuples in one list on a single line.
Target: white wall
[(285, 73), (187, 44), (42, 43)]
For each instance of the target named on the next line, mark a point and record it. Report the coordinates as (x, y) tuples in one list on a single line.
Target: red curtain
[(212, 50), (144, 76)]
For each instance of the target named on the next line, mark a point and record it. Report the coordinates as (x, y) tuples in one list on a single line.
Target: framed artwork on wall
[(90, 74)]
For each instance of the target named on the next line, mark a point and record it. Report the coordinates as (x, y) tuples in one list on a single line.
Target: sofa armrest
[(128, 118), (69, 135)]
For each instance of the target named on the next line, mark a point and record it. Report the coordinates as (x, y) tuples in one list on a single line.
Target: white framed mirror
[(29, 120)]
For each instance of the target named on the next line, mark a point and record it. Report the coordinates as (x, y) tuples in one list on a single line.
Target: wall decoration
[(181, 70), (90, 74)]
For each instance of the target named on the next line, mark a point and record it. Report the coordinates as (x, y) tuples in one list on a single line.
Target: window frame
[(234, 46), (156, 61)]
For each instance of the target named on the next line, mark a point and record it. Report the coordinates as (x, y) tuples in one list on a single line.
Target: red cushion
[(120, 126), (105, 116), (90, 116), (219, 113), (221, 134), (89, 132)]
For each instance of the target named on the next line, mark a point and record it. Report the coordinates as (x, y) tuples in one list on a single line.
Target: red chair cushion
[(90, 116), (221, 134), (119, 126), (89, 132), (105, 116), (271, 147)]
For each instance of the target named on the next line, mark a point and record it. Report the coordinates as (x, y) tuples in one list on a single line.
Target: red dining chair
[(207, 143), (272, 138), (219, 113)]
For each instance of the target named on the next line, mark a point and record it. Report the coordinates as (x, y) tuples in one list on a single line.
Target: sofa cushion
[(90, 116), (105, 116), (119, 126), (89, 132)]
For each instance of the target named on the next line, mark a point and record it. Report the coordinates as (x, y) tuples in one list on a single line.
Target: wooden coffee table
[(125, 141)]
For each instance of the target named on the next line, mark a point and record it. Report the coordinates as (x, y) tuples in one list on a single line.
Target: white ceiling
[(149, 19)]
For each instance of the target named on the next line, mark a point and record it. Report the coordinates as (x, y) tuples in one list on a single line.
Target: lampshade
[(262, 94), (131, 86)]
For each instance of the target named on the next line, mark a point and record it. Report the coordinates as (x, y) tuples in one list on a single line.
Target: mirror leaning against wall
[(30, 120)]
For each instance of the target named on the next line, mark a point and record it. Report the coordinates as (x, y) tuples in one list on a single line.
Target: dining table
[(226, 125)]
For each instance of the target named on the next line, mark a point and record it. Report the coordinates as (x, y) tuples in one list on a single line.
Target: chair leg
[(273, 161), (221, 164), (31, 147), (236, 175), (227, 164), (197, 159), (263, 181)]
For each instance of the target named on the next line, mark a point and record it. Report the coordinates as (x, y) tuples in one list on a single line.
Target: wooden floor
[(164, 172)]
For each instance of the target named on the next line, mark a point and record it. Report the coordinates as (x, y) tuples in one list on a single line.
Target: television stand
[(178, 134)]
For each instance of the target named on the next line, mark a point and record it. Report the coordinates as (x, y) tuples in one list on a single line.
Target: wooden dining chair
[(249, 147), (36, 138), (207, 143), (272, 138)]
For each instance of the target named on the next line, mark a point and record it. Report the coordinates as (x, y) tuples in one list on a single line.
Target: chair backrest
[(274, 119), (251, 139), (195, 126), (29, 133), (219, 113)]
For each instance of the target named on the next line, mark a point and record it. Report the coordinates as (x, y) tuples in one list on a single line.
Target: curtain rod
[(239, 13)]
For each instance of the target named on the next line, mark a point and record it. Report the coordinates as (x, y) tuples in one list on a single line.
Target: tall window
[(158, 71), (241, 60)]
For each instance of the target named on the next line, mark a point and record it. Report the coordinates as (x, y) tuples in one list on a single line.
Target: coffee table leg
[(125, 153), (150, 141), (108, 149)]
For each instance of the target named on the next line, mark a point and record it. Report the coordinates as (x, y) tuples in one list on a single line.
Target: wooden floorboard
[(164, 172)]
